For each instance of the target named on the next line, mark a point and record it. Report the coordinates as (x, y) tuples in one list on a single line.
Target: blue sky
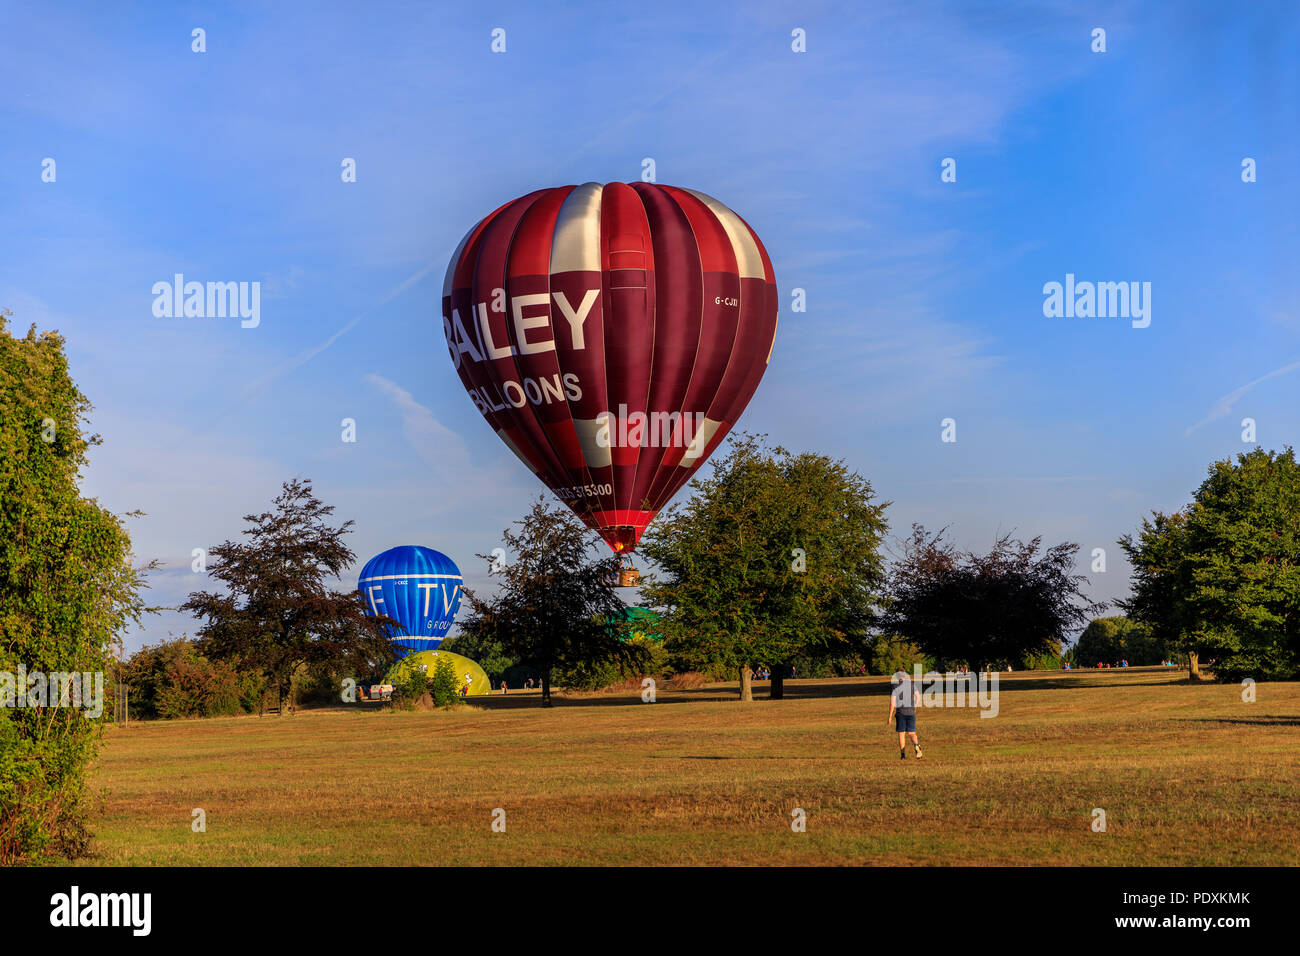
[(924, 298)]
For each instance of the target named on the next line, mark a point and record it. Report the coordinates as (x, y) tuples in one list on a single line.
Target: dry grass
[(1186, 774)]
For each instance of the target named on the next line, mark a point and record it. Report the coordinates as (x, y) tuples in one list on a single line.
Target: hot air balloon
[(416, 586), (611, 336), (468, 672)]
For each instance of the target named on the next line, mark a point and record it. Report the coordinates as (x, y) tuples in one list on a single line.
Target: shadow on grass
[(1264, 720), (826, 688), (736, 757)]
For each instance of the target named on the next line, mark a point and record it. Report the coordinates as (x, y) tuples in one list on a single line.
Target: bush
[(888, 653), (252, 689), (319, 685), (410, 685), (1046, 661), (587, 675), (444, 686), (650, 661), (173, 679)]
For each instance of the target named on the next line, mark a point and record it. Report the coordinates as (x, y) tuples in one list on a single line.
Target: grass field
[(1185, 774)]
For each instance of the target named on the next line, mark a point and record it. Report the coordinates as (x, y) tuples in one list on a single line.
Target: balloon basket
[(626, 576)]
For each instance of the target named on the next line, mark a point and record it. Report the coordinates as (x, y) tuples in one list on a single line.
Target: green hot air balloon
[(638, 622)]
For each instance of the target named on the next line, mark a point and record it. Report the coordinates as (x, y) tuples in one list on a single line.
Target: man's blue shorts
[(906, 723)]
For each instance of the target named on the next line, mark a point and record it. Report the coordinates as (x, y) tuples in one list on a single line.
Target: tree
[(1221, 577), (486, 653), (888, 654), (1005, 607), (67, 591), (775, 556), (444, 684), (1160, 583), (1107, 640), (277, 612), (555, 601)]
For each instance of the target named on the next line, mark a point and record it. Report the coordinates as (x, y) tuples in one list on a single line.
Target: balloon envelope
[(467, 671), (611, 336), (638, 622), (416, 586)]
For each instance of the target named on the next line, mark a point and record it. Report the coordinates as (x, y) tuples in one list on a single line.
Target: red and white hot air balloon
[(611, 335)]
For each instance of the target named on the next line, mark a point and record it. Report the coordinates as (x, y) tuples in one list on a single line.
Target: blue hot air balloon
[(417, 587)]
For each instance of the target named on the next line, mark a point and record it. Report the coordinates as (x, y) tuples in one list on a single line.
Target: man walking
[(902, 710)]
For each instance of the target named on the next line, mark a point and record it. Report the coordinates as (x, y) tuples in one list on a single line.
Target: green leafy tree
[(487, 653), (67, 592), (172, 679), (1009, 606), (774, 558), (889, 653), (410, 684), (1221, 577), (277, 612), (555, 600), (444, 684), (1161, 584), (1108, 640)]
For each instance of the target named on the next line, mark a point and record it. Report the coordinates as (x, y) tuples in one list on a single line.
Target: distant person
[(503, 687), (903, 702)]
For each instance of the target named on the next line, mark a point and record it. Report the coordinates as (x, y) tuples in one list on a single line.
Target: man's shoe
[(902, 755), (919, 755)]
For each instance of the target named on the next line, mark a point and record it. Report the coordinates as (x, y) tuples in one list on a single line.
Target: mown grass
[(1186, 774)]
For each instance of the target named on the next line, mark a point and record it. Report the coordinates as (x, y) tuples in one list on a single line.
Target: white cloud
[(1224, 405)]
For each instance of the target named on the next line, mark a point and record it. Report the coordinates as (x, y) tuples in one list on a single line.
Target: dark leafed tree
[(277, 611), (1221, 577), (1004, 607), (775, 556), (555, 600)]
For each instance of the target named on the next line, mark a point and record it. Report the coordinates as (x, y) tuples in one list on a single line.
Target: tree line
[(774, 560)]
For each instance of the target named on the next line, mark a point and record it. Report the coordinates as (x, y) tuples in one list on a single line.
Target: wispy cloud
[(1224, 405), (446, 458), (259, 387)]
